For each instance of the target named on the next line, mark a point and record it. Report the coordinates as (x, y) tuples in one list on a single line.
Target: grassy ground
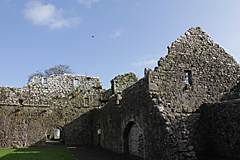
[(36, 154)]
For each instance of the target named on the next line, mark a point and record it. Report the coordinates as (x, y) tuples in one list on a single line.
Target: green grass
[(36, 154)]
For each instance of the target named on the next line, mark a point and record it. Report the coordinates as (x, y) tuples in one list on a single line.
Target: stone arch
[(133, 139), (58, 133)]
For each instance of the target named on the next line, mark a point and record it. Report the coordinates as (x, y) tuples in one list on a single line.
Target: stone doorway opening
[(133, 140), (55, 134)]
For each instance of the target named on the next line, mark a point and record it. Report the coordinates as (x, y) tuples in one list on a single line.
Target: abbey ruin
[(188, 105)]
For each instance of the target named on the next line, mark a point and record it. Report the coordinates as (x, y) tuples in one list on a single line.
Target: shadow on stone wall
[(233, 94), (76, 133), (221, 128), (79, 131), (213, 131)]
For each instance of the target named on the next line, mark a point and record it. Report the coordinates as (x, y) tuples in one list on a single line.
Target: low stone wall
[(221, 128), (23, 126)]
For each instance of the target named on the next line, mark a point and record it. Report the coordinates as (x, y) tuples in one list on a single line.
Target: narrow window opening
[(44, 80), (76, 82), (86, 102), (188, 77)]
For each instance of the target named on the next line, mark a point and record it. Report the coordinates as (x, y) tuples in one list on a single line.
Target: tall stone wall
[(164, 106), (195, 71), (131, 123)]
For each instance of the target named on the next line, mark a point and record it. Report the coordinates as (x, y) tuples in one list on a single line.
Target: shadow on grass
[(36, 154)]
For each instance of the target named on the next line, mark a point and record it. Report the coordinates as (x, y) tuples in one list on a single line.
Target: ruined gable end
[(194, 71)]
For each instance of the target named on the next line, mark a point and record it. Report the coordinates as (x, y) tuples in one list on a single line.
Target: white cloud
[(88, 3), (146, 63), (117, 33), (48, 15)]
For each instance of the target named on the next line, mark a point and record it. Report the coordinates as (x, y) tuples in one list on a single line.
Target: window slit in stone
[(188, 77), (76, 82), (44, 80)]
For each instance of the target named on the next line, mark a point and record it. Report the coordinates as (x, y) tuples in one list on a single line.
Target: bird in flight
[(92, 36)]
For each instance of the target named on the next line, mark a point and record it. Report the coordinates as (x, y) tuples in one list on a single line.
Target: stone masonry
[(185, 107), (30, 114)]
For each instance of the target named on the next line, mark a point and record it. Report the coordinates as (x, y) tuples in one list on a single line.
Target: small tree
[(58, 70), (38, 73)]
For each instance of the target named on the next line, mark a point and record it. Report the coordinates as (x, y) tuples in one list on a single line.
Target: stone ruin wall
[(212, 73), (56, 90), (196, 71), (121, 82), (168, 107), (131, 122), (30, 126), (31, 113)]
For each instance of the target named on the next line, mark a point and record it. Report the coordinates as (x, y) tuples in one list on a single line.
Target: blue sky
[(129, 35)]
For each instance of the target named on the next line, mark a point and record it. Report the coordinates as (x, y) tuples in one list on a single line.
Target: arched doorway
[(133, 140), (57, 134)]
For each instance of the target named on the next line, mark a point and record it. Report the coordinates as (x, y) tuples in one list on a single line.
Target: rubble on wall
[(121, 82)]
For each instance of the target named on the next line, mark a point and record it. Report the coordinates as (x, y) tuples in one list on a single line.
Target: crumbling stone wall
[(128, 112), (58, 90), (195, 71), (120, 82), (165, 104), (30, 114)]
